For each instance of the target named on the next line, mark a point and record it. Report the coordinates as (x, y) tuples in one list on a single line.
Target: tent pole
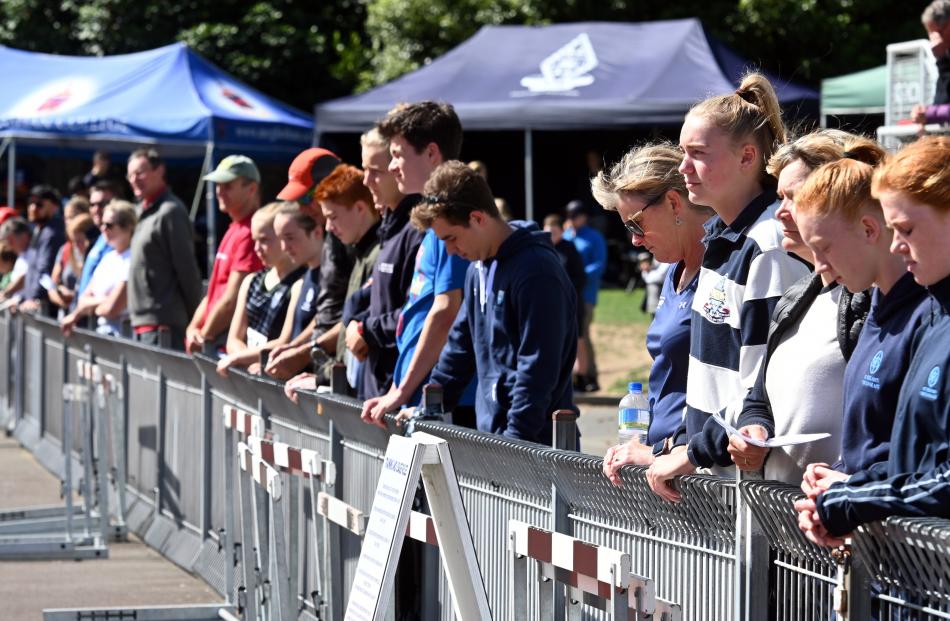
[(528, 175), (210, 210), (11, 175)]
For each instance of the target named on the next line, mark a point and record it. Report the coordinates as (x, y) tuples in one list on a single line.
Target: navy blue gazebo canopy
[(564, 76)]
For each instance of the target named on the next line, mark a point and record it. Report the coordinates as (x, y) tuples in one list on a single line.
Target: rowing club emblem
[(715, 307)]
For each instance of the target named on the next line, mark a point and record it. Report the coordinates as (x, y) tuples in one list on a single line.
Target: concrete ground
[(133, 575), (598, 427)]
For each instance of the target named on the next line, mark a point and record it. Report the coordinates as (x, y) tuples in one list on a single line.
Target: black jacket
[(336, 263)]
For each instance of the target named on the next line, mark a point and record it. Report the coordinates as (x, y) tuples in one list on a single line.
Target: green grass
[(616, 307)]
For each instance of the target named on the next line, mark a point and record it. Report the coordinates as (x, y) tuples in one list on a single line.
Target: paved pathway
[(133, 575)]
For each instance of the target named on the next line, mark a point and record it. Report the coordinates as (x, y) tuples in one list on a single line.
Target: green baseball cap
[(232, 167)]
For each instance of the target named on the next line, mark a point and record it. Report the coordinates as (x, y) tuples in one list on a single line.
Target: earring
[(678, 221)]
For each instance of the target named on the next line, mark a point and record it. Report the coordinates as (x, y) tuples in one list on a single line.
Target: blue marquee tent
[(169, 97), (564, 76)]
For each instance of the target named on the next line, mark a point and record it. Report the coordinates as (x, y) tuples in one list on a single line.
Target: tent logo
[(231, 98), (55, 98), (567, 68), (235, 98)]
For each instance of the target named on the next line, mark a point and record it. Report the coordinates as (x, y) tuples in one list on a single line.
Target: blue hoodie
[(517, 331), (875, 372), (914, 478)]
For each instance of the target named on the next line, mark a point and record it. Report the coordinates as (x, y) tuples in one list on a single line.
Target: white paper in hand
[(789, 440)]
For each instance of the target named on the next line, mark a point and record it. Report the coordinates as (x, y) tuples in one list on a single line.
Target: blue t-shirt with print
[(436, 272)]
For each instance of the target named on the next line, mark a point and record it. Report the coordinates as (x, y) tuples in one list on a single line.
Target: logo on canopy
[(55, 98), (567, 68), (236, 100)]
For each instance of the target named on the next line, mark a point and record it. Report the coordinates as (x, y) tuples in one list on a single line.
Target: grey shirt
[(164, 284)]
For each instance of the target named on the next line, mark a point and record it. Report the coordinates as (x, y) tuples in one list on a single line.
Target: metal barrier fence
[(727, 551)]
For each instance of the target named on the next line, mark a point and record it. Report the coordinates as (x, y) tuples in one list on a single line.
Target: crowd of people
[(803, 287), (814, 300)]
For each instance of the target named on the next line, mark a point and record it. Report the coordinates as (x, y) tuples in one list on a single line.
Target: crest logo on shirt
[(929, 391), (715, 307), (871, 380)]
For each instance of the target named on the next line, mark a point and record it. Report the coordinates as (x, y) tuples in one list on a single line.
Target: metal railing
[(727, 551)]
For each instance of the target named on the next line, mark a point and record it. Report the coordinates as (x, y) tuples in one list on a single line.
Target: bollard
[(338, 383), (564, 438)]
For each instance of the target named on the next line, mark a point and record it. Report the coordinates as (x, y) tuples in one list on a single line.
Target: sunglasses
[(108, 225), (632, 225)]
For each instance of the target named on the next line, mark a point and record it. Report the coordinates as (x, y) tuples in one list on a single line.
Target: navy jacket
[(517, 330), (398, 245), (40, 257), (914, 479), (875, 372)]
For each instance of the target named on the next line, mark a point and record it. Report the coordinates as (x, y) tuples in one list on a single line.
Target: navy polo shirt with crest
[(745, 271), (875, 372)]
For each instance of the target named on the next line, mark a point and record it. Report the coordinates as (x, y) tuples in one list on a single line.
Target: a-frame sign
[(406, 460)]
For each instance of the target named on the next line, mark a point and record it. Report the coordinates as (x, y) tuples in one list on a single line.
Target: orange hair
[(843, 187), (921, 170), (344, 186)]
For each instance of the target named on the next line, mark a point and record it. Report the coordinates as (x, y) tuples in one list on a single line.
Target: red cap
[(307, 170), (6, 213)]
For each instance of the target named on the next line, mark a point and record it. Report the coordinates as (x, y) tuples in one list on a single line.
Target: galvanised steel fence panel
[(692, 550), (6, 368), (803, 576), (143, 399), (33, 376), (688, 548), (500, 480), (908, 561), (183, 451), (360, 454)]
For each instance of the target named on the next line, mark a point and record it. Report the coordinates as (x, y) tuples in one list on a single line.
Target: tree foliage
[(304, 52)]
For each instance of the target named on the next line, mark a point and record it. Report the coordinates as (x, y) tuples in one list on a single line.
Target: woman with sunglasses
[(648, 192), (727, 141), (105, 296)]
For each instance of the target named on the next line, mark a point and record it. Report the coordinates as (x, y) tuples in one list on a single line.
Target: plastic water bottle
[(634, 415)]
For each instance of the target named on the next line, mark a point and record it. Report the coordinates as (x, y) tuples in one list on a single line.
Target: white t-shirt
[(804, 380), (112, 271)]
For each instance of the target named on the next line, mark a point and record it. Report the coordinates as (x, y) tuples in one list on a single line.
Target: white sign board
[(406, 460)]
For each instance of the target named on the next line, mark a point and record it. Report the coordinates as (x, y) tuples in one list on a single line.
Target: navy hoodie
[(875, 372), (915, 478), (399, 243), (517, 331)]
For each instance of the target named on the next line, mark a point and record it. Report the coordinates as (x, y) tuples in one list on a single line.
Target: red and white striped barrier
[(420, 528), (341, 514), (243, 422), (589, 568), (263, 473), (293, 460)]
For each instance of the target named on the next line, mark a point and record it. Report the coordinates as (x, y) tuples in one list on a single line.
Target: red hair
[(344, 186)]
